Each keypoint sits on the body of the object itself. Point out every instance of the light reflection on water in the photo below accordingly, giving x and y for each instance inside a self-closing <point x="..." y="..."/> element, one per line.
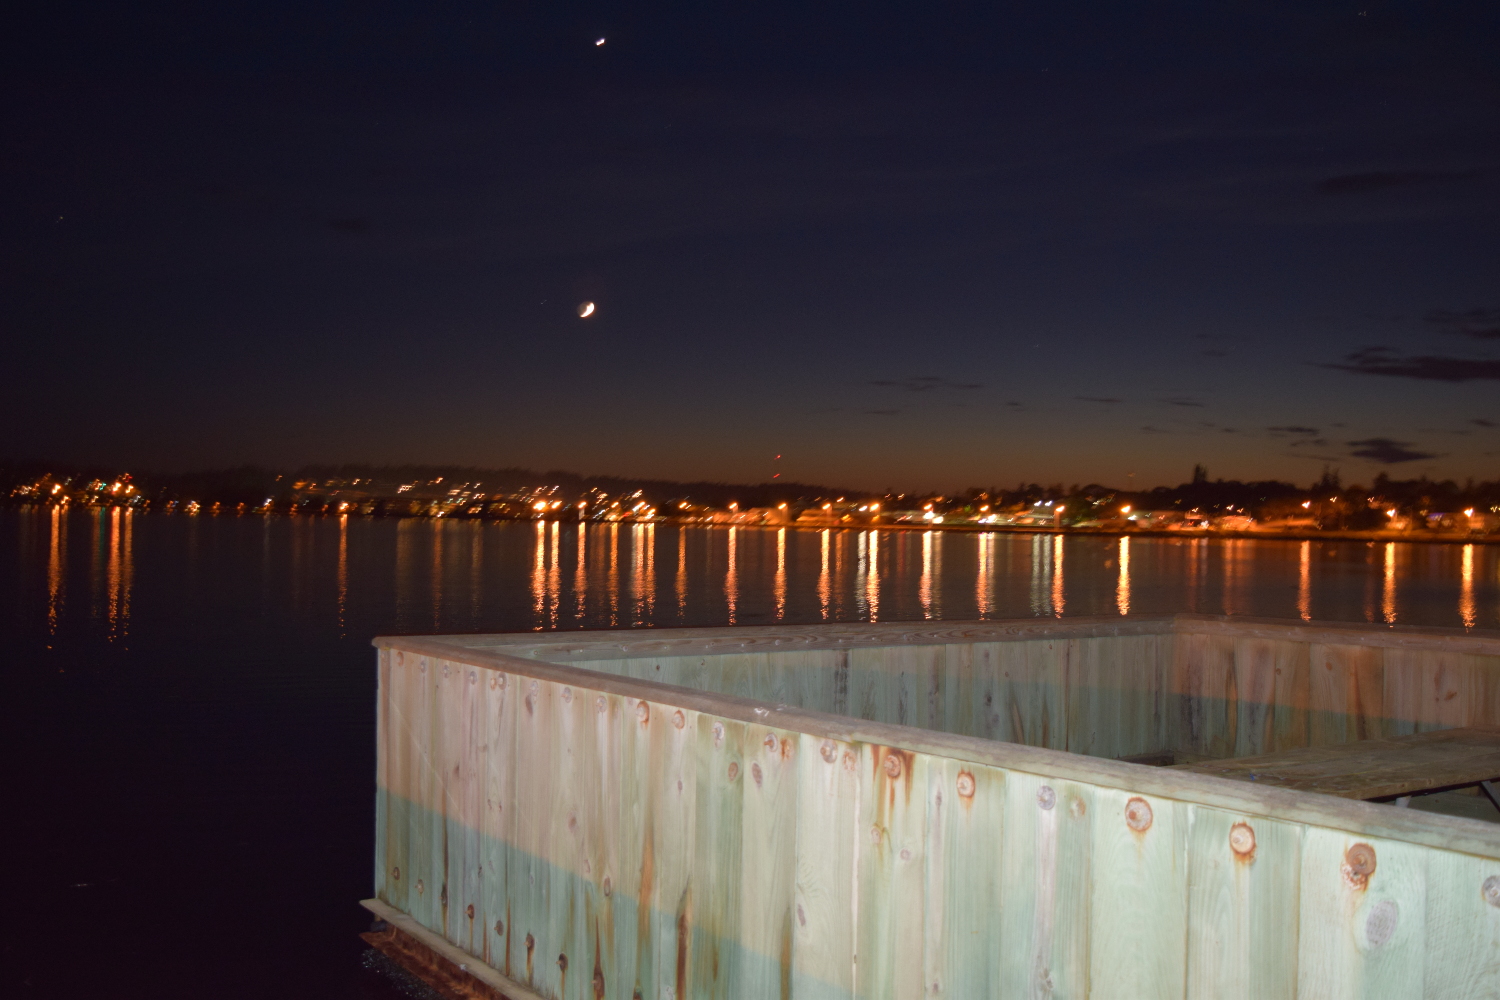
<point x="418" y="576"/>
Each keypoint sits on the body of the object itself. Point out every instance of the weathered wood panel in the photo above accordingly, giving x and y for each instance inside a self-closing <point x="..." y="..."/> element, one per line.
<point x="616" y="837"/>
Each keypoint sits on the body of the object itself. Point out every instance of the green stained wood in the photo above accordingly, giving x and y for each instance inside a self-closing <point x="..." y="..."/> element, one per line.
<point x="1362" y="931"/>
<point x="768" y="860"/>
<point x="964" y="948"/>
<point x="719" y="752"/>
<point x="891" y="873"/>
<point x="1046" y="887"/>
<point x="1140" y="867"/>
<point x="828" y="796"/>
<point x="1242" y="926"/>
<point x="548" y="801"/>
<point x="1462" y="957"/>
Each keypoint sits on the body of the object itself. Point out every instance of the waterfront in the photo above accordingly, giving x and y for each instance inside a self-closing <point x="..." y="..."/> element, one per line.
<point x="191" y="698"/>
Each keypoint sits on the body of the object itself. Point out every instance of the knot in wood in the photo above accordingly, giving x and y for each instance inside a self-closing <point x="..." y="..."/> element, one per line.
<point x="601" y="705"/>
<point x="608" y="886"/>
<point x="756" y="774"/>
<point x="1359" y="865"/>
<point x="1491" y="890"/>
<point x="965" y="785"/>
<point x="678" y="719"/>
<point x="718" y="733"/>
<point x="643" y="713"/>
<point x="1242" y="841"/>
<point x="770" y="742"/>
<point x="1380" y="925"/>
<point x="420" y="887"/>
<point x="892" y="766"/>
<point x="473" y="677"/>
<point x="567" y="696"/>
<point x="1138" y="814"/>
<point x="1046" y="797"/>
<point x="734" y="770"/>
<point x="499" y="928"/>
<point x="396" y="873"/>
<point x="829" y="752"/>
<point x="562" y="962"/>
<point x="469" y="911"/>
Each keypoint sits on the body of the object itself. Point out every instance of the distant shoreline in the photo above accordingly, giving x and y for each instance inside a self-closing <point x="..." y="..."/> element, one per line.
<point x="1418" y="537"/>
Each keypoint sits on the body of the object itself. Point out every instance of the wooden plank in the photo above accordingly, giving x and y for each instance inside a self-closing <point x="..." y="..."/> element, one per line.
<point x="768" y="862"/>
<point x="536" y="746"/>
<point x="823" y="944"/>
<point x="1462" y="926"/>
<point x="1362" y="917"/>
<point x="716" y="869"/>
<point x="1372" y="769"/>
<point x="672" y="796"/>
<point x="1346" y="685"/>
<point x="1139" y="847"/>
<point x="962" y="946"/>
<point x="890" y="883"/>
<point x="1242" y="926"/>
<point x="496" y="829"/>
<point x="455" y="972"/>
<point x="1271" y="679"/>
<point x="1203" y="699"/>
<point x="1046" y="874"/>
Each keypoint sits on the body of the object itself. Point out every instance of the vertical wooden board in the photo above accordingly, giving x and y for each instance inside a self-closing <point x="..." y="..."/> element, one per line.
<point x="1483" y="703"/>
<point x="1140" y="867"/>
<point x="828" y="785"/>
<point x="464" y="871"/>
<point x="768" y="862"/>
<point x="1113" y="698"/>
<point x="605" y="960"/>
<point x="1204" y="688"/>
<point x="1272" y="682"/>
<point x="1406" y="701"/>
<point x="891" y="880"/>
<point x="564" y="963"/>
<point x="1450" y="691"/>
<point x="536" y="747"/>
<point x="497" y="726"/>
<point x="962" y="944"/>
<point x="1345" y="690"/>
<point x="988" y="712"/>
<point x="395" y="699"/>
<point x="423" y="892"/>
<point x="957" y="665"/>
<point x="673" y="795"/>
<point x="448" y="767"/>
<point x="719" y="824"/>
<point x="1045" y="894"/>
<point x="874" y="693"/>
<point x="382" y="771"/>
<point x="1243" y="874"/>
<point x="1463" y="927"/>
<point x="1362" y="931"/>
<point x="635" y="878"/>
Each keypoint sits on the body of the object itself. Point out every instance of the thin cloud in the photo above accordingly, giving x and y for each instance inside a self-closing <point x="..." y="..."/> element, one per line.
<point x="1292" y="429"/>
<point x="1379" y="180"/>
<point x="1481" y="324"/>
<point x="1481" y="422"/>
<point x="1099" y="399"/>
<point x="924" y="383"/>
<point x="1181" y="401"/>
<point x="1386" y="451"/>
<point x="1428" y="367"/>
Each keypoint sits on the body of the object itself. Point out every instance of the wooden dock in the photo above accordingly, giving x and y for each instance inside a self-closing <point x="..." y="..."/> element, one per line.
<point x="927" y="810"/>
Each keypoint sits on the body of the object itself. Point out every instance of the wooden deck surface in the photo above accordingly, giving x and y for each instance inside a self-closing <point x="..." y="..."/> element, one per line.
<point x="1372" y="769"/>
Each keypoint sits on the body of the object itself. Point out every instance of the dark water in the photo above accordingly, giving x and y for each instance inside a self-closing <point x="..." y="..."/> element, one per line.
<point x="189" y="701"/>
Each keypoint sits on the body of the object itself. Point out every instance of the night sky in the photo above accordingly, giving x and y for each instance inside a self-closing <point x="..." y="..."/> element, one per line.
<point x="922" y="245"/>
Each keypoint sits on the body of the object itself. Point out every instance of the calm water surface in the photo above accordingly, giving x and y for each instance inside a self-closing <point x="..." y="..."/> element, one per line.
<point x="189" y="701"/>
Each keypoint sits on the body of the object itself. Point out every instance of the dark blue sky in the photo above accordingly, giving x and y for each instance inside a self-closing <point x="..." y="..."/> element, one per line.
<point x="917" y="245"/>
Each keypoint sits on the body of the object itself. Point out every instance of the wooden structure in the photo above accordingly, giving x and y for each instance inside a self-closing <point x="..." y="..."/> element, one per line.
<point x="925" y="810"/>
<point x="1395" y="768"/>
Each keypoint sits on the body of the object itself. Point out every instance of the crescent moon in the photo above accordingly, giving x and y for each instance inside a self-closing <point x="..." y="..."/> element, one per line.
<point x="585" y="310"/>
